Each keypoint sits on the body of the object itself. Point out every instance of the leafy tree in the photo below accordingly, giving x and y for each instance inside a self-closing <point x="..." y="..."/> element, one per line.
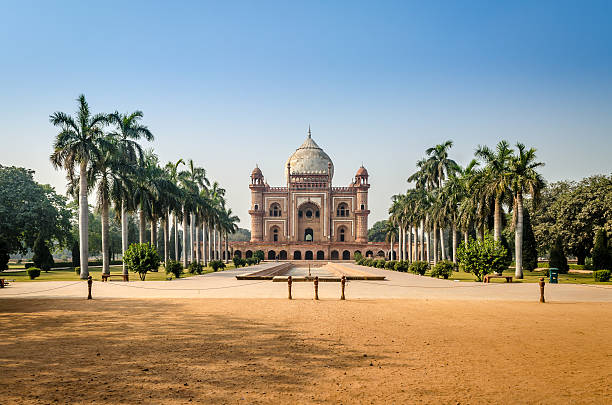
<point x="174" y="267"/>
<point x="557" y="257"/>
<point x="377" y="232"/>
<point x="602" y="259"/>
<point x="443" y="269"/>
<point x="141" y="258"/>
<point x="241" y="235"/>
<point x="574" y="211"/>
<point x="29" y="211"/>
<point x="42" y="258"/>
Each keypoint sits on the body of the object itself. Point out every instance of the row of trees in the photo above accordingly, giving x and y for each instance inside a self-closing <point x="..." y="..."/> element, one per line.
<point x="464" y="199"/>
<point x="124" y="176"/>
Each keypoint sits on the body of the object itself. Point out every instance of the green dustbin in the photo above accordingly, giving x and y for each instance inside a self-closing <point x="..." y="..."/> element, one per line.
<point x="553" y="275"/>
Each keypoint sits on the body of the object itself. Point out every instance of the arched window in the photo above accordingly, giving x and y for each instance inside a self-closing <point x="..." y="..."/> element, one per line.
<point x="275" y="210"/>
<point x="308" y="235"/>
<point x="362" y="207"/>
<point x="256" y="207"/>
<point x="275" y="233"/>
<point x="308" y="214"/>
<point x="342" y="210"/>
<point x="341" y="237"/>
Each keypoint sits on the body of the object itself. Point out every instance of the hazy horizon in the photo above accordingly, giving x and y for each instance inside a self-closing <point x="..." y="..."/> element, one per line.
<point x="235" y="85"/>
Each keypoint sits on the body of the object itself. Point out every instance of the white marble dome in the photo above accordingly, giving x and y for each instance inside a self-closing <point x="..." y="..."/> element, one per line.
<point x="309" y="159"/>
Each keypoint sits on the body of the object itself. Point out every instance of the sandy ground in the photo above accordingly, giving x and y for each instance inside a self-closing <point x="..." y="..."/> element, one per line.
<point x="302" y="351"/>
<point x="396" y="285"/>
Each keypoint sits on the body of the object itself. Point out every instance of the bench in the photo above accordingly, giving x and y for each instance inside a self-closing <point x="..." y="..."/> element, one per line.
<point x="488" y="277"/>
<point x="109" y="277"/>
<point x="3" y="283"/>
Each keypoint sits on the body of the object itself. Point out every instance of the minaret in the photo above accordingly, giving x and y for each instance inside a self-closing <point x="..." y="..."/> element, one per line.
<point x="362" y="211"/>
<point x="257" y="210"/>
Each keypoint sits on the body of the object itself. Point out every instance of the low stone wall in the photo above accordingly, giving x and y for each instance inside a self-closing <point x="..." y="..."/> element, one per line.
<point x="268" y="273"/>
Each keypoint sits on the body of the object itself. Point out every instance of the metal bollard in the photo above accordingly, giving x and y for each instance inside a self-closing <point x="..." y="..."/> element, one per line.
<point x="89" y="283"/>
<point x="316" y="286"/>
<point x="542" y="289"/>
<point x="289" y="281"/>
<point x="342" y="284"/>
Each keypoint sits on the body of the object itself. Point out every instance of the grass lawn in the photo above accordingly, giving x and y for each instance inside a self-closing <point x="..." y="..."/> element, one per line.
<point x="533" y="277"/>
<point x="95" y="272"/>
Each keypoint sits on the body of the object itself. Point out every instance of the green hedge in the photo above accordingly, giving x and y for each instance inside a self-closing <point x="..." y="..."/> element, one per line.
<point x="601" y="275"/>
<point x="27" y="265"/>
<point x="33" y="272"/>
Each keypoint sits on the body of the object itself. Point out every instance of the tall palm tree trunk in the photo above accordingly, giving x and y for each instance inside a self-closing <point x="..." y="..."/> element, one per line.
<point x="166" y="231"/>
<point x="124" y="235"/>
<point x="465" y="238"/>
<point x="409" y="252"/>
<point x="422" y="240"/>
<point x="442" y="245"/>
<point x="197" y="242"/>
<point x="400" y="253"/>
<point x="215" y="245"/>
<point x="105" y="246"/>
<point x="518" y="237"/>
<point x="226" y="249"/>
<point x="176" y="238"/>
<point x="454" y="243"/>
<point x="210" y="247"/>
<point x="184" y="238"/>
<point x="204" y="250"/>
<point x="153" y="233"/>
<point x="427" y="248"/>
<point x="435" y="244"/>
<point x="141" y="225"/>
<point x="191" y="237"/>
<point x="497" y="220"/>
<point x="83" y="221"/>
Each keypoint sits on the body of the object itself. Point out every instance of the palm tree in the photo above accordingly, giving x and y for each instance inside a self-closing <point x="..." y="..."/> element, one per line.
<point x="78" y="143"/>
<point x="128" y="131"/>
<point x="228" y="225"/>
<point x="175" y="209"/>
<point x="497" y="179"/>
<point x="525" y="180"/>
<point x="110" y="176"/>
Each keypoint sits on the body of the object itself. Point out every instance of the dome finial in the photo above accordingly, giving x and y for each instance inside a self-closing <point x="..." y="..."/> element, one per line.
<point x="309" y="134"/>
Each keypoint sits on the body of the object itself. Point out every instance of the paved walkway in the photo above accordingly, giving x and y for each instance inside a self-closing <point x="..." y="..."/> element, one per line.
<point x="397" y="285"/>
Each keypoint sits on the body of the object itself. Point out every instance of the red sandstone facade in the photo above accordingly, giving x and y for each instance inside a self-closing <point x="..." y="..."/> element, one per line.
<point x="309" y="219"/>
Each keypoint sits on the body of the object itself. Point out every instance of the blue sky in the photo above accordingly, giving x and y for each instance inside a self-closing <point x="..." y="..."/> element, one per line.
<point x="232" y="84"/>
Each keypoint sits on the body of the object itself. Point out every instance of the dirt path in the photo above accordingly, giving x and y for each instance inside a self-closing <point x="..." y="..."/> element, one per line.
<point x="280" y="351"/>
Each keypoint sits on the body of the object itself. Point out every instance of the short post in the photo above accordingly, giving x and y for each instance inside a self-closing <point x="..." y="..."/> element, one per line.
<point x="542" y="289"/>
<point x="289" y="281"/>
<point x="316" y="286"/>
<point x="89" y="283"/>
<point x="342" y="284"/>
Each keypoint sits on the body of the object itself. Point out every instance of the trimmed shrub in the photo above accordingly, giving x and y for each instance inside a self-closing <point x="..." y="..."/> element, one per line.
<point x="358" y="257"/>
<point x="368" y="262"/>
<point x="237" y="262"/>
<point x="218" y="264"/>
<point x="557" y="257"/>
<point x="601" y="275"/>
<point x="481" y="257"/>
<point x="33" y="272"/>
<point x="419" y="267"/>
<point x="175" y="268"/>
<point x="402" y="266"/>
<point x="390" y="265"/>
<point x="258" y="255"/>
<point x="602" y="260"/>
<point x="380" y="263"/>
<point x="141" y="258"/>
<point x="77" y="271"/>
<point x="443" y="269"/>
<point x="43" y="259"/>
<point x="195" y="268"/>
